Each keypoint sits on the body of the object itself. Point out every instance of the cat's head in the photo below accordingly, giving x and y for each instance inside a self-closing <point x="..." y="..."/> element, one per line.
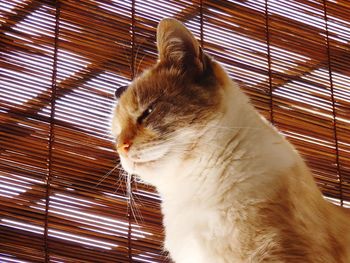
<point x="161" y="115"/>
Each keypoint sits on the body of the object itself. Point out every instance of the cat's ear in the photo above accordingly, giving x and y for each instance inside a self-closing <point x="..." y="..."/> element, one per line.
<point x="119" y="91"/>
<point x="177" y="45"/>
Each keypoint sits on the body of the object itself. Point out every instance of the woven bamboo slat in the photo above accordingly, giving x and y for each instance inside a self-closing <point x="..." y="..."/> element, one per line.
<point x="62" y="195"/>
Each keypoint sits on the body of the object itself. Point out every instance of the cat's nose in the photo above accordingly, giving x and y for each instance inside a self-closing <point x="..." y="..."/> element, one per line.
<point x="124" y="147"/>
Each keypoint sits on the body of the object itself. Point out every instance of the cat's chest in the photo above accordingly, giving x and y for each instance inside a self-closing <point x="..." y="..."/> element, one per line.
<point x="198" y="234"/>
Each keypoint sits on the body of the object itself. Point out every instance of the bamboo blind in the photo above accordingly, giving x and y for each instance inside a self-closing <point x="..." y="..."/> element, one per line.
<point x="61" y="200"/>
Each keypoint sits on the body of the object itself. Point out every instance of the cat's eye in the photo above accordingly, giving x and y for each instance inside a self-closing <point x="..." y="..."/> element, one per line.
<point x="119" y="91"/>
<point x="145" y="114"/>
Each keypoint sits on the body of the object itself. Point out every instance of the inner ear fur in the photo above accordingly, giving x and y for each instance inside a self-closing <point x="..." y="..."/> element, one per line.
<point x="177" y="45"/>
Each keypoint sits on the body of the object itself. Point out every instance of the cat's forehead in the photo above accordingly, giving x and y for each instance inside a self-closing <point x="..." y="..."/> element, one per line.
<point x="158" y="76"/>
<point x="154" y="83"/>
<point x="137" y="93"/>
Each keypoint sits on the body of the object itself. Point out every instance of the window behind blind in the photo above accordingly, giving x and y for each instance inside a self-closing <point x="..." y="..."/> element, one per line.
<point x="62" y="196"/>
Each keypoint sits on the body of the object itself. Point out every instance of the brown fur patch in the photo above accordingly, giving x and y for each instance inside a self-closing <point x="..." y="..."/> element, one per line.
<point x="178" y="98"/>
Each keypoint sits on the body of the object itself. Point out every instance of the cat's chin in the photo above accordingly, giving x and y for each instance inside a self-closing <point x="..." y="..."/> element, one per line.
<point x="139" y="167"/>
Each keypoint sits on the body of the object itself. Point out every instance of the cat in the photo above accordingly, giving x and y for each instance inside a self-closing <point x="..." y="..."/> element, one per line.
<point x="233" y="188"/>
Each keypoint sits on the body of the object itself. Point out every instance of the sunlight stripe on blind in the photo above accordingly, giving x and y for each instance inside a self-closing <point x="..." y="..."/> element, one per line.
<point x="61" y="200"/>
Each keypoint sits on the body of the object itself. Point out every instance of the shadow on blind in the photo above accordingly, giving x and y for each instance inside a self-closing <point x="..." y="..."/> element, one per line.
<point x="62" y="194"/>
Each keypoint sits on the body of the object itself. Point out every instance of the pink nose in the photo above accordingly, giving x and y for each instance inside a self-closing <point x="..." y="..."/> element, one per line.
<point x="124" y="147"/>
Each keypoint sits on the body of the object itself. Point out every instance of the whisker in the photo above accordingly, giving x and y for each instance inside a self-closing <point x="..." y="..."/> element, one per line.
<point x="131" y="201"/>
<point x="137" y="53"/>
<point x="120" y="181"/>
<point x="106" y="175"/>
<point x="138" y="66"/>
<point x="136" y="211"/>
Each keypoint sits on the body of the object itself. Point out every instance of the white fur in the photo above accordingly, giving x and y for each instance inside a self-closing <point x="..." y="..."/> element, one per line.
<point x="205" y="196"/>
<point x="233" y="189"/>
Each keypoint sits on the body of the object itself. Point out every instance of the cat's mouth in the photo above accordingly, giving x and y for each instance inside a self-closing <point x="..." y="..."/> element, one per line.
<point x="138" y="167"/>
<point x="148" y="161"/>
<point x="134" y="163"/>
<point x="144" y="162"/>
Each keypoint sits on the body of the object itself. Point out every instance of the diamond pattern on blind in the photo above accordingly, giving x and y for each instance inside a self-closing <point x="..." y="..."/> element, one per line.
<point x="27" y="52"/>
<point x="235" y="34"/>
<point x="63" y="197"/>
